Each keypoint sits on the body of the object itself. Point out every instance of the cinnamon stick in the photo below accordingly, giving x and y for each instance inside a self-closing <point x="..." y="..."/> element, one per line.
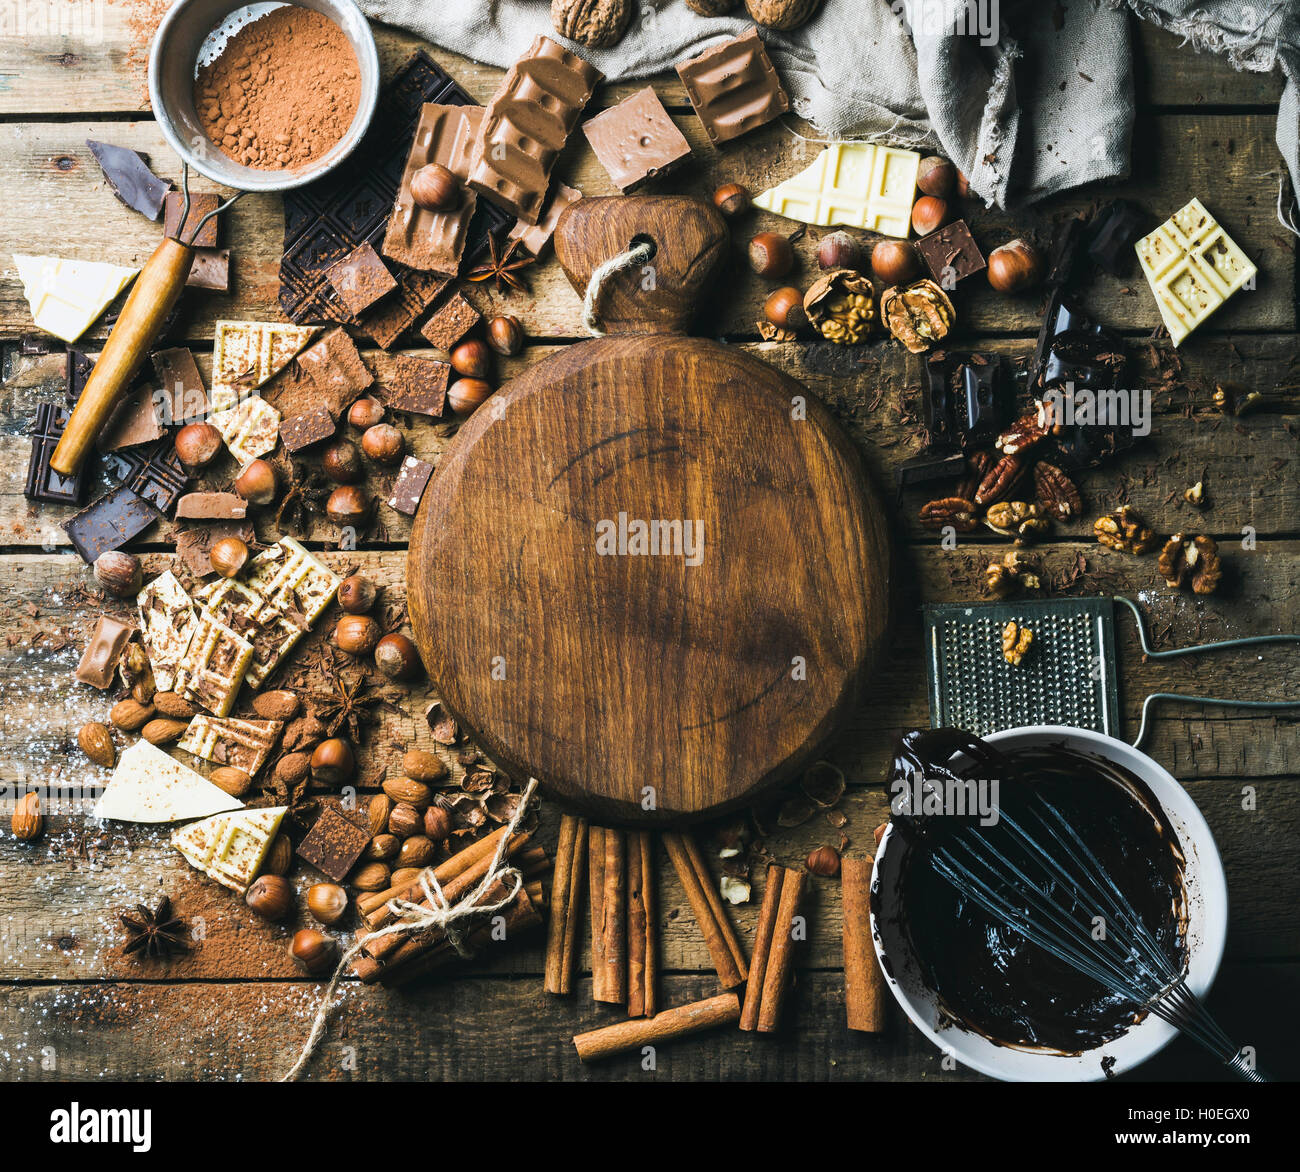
<point x="566" y="905"/>
<point x="762" y="947"/>
<point x="373" y="902"/>
<point x="672" y="1023"/>
<point x="606" y="870"/>
<point x="865" y="992"/>
<point x="719" y="935"/>
<point x="780" y="960"/>
<point x="642" y="960"/>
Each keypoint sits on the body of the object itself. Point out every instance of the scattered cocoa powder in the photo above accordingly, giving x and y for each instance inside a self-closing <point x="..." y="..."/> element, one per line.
<point x="283" y="91"/>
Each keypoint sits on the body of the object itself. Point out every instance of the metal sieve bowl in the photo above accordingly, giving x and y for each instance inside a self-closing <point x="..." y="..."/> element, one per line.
<point x="192" y="33"/>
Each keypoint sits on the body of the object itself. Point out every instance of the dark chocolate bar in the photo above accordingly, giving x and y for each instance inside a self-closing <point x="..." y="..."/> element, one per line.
<point x="43" y="483"/>
<point x="334" y="844"/>
<point x="361" y="278"/>
<point x="153" y="472"/>
<point x="951" y="254"/>
<point x="933" y="462"/>
<point x="967" y="398"/>
<point x="109" y="523"/>
<point x="1115" y="229"/>
<point x="418" y="385"/>
<point x="128" y="174"/>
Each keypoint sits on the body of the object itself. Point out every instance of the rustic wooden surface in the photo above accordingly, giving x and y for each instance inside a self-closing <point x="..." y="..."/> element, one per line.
<point x="72" y="1006"/>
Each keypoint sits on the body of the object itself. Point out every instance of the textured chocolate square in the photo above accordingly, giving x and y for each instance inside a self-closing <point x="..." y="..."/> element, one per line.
<point x="210" y="270"/>
<point x="334" y="844"/>
<point x="304" y="430"/>
<point x="408" y="488"/>
<point x="393" y="316"/>
<point x="951" y="254"/>
<point x="450" y="322"/>
<point x="535" y="237"/>
<point x="733" y="87"/>
<point x="200" y="205"/>
<point x="211" y="506"/>
<point x="419" y="385"/>
<point x="43" y="483"/>
<point x="360" y="279"/>
<point x="154" y="473"/>
<point x="109" y="523"/>
<point x="99" y="660"/>
<point x="184" y="395"/>
<point x="636" y="140"/>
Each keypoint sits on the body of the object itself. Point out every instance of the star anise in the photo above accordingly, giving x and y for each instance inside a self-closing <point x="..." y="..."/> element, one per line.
<point x="350" y="705"/>
<point x="154" y="933"/>
<point x="503" y="268"/>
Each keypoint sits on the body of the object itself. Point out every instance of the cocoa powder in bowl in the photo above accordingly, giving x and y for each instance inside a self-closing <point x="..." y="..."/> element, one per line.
<point x="282" y="92"/>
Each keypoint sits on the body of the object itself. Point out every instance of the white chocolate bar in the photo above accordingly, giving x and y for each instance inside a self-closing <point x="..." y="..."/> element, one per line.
<point x="290" y="579"/>
<point x="230" y="848"/>
<point x="214" y="666"/>
<point x="150" y="786"/>
<point x="250" y="430"/>
<point x="66" y="296"/>
<point x="167" y="624"/>
<point x="241" y="744"/>
<point x="271" y="632"/>
<point x="246" y="354"/>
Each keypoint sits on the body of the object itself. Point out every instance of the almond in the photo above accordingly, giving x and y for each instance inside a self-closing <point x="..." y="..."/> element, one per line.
<point x="377" y="812"/>
<point x="279" y="858"/>
<point x="174" y="706"/>
<point x="404" y="875"/>
<point x="28" y="822"/>
<point x="163" y="731"/>
<point x="382" y="848"/>
<point x="278" y="705"/>
<point x="404" y="789"/>
<point x="423" y="766"/>
<point x="417" y="851"/>
<point x="405" y="820"/>
<point x="131" y="715"/>
<point x="371" y="877"/>
<point x="233" y="781"/>
<point x="292" y="768"/>
<point x="97" y="743"/>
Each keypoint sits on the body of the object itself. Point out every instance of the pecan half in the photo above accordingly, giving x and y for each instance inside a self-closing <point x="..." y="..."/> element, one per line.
<point x="950" y="510"/>
<point x="1056" y="491"/>
<point x="1125" y="531"/>
<point x="1021" y="435"/>
<point x="918" y="315"/>
<point x="977" y="466"/>
<point x="1191" y="562"/>
<point x="999" y="480"/>
<point x="1018" y="519"/>
<point x="840" y="306"/>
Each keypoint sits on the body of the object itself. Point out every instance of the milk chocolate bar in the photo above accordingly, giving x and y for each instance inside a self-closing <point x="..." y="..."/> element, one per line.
<point x="210" y="270"/>
<point x="535" y="237"/>
<point x="526" y="125"/>
<point x="452" y="321"/>
<point x="330" y="369"/>
<point x="435" y="240"/>
<point x="211" y="506"/>
<point x="733" y="87"/>
<point x="361" y="278"/>
<point x="240" y="744"/>
<point x="99" y="660"/>
<point x="178" y="377"/>
<point x="135" y="421"/>
<point x="109" y="523"/>
<point x="636" y="141"/>
<point x="213" y="667"/>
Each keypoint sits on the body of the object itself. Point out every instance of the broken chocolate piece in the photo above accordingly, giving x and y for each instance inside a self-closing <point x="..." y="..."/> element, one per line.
<point x="733" y="87"/>
<point x="933" y="462"/>
<point x="154" y="472"/>
<point x="304" y="430"/>
<point x="393" y="316"/>
<point x="200" y="205"/>
<point x="334" y="844"/>
<point x="184" y="397"/>
<point x="134" y="422"/>
<point x="334" y="370"/>
<point x="99" y="660"/>
<point x="211" y="506"/>
<point x="109" y="523"/>
<point x="951" y="254"/>
<point x="210" y="270"/>
<point x="1115" y="229"/>
<point x="360" y="279"/>
<point x="128" y="174"/>
<point x="240" y="744"/>
<point x="194" y="546"/>
<point x="450" y="322"/>
<point x="419" y="385"/>
<point x="408" y="488"/>
<point x="534" y="237"/>
<point x="636" y="141"/>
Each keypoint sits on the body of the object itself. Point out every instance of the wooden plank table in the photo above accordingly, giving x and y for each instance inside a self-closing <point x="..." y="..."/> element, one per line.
<point x="236" y="1008"/>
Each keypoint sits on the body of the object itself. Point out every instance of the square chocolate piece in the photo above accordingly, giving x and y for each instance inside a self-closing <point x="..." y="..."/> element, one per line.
<point x="43" y="483"/>
<point x="184" y="395"/>
<point x="451" y="322"/>
<point x="360" y="279"/>
<point x="109" y="523"/>
<point x="304" y="430"/>
<point x="330" y="373"/>
<point x="733" y="87"/>
<point x="134" y="422"/>
<point x="392" y="317"/>
<point x="334" y="844"/>
<point x="419" y="385"/>
<point x="210" y="270"/>
<point x="951" y="254"/>
<point x="636" y="141"/>
<point x="200" y="206"/>
<point x="409" y="486"/>
<point x="99" y="660"/>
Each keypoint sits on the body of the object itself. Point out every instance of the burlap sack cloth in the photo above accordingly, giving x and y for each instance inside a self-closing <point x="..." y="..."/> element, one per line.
<point x="901" y="70"/>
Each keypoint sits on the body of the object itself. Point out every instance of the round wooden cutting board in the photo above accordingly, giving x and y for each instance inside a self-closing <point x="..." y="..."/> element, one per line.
<point x="649" y="571"/>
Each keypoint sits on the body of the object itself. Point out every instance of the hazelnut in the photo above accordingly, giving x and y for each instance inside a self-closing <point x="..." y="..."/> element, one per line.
<point x="271" y="897"/>
<point x="405" y="820"/>
<point x="784" y="308"/>
<point x="437" y="823"/>
<point x="342" y="462"/>
<point x="197" y="445"/>
<point x="936" y="176"/>
<point x="348" y="505"/>
<point x="332" y="761"/>
<point x="471" y="358"/>
<point x="421" y="765"/>
<point x="119" y="573"/>
<point x="228" y="556"/>
<point x="465" y="395"/>
<point x="313" y="950"/>
<point x="771" y="254"/>
<point x="328" y="902"/>
<point x="383" y="443"/>
<point x="396" y="657"/>
<point x="928" y="213"/>
<point x="895" y="262"/>
<point x="257" y="483"/>
<point x="732" y="199"/>
<point x="356" y="594"/>
<point x="435" y="188"/>
<point x="28" y="821"/>
<point x="824" y="861"/>
<point x="1014" y="267"/>
<point x="839" y="250"/>
<point x="366" y="412"/>
<point x="357" y="634"/>
<point x="505" y="335"/>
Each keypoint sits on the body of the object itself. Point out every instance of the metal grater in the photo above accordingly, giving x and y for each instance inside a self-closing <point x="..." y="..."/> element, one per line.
<point x="1068" y="676"/>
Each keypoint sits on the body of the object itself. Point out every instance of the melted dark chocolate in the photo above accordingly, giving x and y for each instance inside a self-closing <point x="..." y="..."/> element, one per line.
<point x="989" y="978"/>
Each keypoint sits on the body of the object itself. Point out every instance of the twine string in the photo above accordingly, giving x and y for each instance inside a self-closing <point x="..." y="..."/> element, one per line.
<point x="418" y="920"/>
<point x="638" y="252"/>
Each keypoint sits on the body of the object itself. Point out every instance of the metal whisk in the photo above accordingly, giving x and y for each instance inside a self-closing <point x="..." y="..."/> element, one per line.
<point x="1014" y="885"/>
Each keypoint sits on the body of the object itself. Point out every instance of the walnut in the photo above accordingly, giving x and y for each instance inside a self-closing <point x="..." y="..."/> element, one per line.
<point x="781" y="14"/>
<point x="594" y="23"/>
<point x="770" y="333"/>
<point x="1191" y="562"/>
<point x="840" y="306"/>
<point x="918" y="315"/>
<point x="953" y="510"/>
<point x="1056" y="491"/>
<point x="1014" y="573"/>
<point x="999" y="480"/>
<point x="1195" y="496"/>
<point x="1018" y="519"/>
<point x="1125" y="531"/>
<point x="1016" y="641"/>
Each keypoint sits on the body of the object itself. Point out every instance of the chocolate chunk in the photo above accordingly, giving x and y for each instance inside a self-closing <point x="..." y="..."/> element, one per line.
<point x="951" y="254"/>
<point x="330" y="369"/>
<point x="211" y="506"/>
<point x="99" y="660"/>
<point x="360" y="279"/>
<point x="326" y="219"/>
<point x="733" y="87"/>
<point x="636" y="141"/>
<point x="409" y="486"/>
<point x="419" y="385"/>
<point x="1114" y="231"/>
<point x="184" y="396"/>
<point x="933" y="462"/>
<point x="195" y="545"/>
<point x="334" y="844"/>
<point x="135" y="421"/>
<point x="77" y="372"/>
<point x="451" y="322"/>
<point x="967" y="399"/>
<point x="128" y="174"/>
<point x="526" y="125"/>
<point x="109" y="523"/>
<point x="534" y="237"/>
<point x="200" y="205"/>
<point x="304" y="430"/>
<point x="154" y="473"/>
<point x="210" y="270"/>
<point x="1067" y="243"/>
<point x="43" y="483"/>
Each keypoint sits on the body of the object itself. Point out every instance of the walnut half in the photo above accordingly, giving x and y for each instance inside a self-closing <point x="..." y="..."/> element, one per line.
<point x="918" y="315"/>
<point x="1125" y="531"/>
<point x="840" y="307"/>
<point x="1191" y="562"/>
<point x="1016" y="641"/>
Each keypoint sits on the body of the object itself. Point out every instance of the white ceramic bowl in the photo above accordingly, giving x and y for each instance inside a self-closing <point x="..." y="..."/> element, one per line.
<point x="1207" y="910"/>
